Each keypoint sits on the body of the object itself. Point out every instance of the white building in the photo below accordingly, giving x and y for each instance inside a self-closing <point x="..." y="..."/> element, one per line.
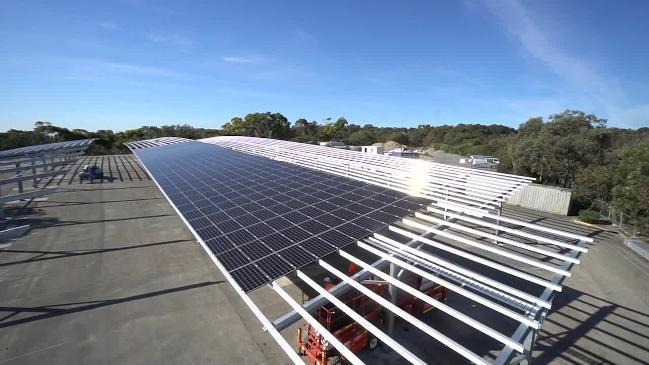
<point x="331" y="144"/>
<point x="375" y="150"/>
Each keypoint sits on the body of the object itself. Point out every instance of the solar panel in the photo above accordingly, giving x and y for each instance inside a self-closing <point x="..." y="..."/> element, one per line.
<point x="264" y="218"/>
<point x="78" y="145"/>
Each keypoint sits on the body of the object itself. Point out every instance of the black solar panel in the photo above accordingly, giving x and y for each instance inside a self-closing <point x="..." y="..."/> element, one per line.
<point x="264" y="218"/>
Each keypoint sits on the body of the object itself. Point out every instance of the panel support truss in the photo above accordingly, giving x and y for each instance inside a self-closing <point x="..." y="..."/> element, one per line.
<point x="460" y="241"/>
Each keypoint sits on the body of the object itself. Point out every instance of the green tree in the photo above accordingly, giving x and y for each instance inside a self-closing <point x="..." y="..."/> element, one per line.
<point x="555" y="150"/>
<point x="595" y="183"/>
<point x="236" y="127"/>
<point x="339" y="126"/>
<point x="270" y="125"/>
<point x="631" y="194"/>
<point x="304" y="130"/>
<point x="362" y="137"/>
<point x="340" y="123"/>
<point x="398" y="137"/>
<point x="328" y="132"/>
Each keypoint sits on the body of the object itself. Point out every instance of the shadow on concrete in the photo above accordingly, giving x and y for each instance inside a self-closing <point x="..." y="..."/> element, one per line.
<point x="55" y="310"/>
<point x="18" y="215"/>
<point x="608" y="325"/>
<point x="121" y="188"/>
<point x="67" y="204"/>
<point x="52" y="255"/>
<point x="53" y="222"/>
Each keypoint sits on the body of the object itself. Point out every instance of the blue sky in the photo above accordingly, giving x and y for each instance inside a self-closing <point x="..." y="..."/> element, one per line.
<point x="124" y="63"/>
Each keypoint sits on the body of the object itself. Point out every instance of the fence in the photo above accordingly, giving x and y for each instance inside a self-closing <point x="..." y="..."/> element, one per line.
<point x="628" y="224"/>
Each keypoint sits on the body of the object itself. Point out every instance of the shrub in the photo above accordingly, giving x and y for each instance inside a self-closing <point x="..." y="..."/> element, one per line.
<point x="588" y="216"/>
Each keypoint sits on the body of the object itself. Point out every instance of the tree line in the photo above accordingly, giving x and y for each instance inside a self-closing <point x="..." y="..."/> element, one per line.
<point x="108" y="142"/>
<point x="570" y="149"/>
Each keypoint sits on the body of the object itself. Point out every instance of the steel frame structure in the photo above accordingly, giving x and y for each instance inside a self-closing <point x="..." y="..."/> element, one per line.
<point x="462" y="201"/>
<point x="46" y="157"/>
<point x="162" y="141"/>
<point x="67" y="146"/>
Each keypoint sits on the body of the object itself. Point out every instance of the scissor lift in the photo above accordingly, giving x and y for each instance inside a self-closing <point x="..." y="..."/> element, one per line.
<point x="355" y="337"/>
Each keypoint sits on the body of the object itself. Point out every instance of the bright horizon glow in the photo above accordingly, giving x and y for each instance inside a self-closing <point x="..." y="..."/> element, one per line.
<point x="120" y="65"/>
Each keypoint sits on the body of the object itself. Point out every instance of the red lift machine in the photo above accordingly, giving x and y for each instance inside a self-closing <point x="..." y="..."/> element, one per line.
<point x="318" y="351"/>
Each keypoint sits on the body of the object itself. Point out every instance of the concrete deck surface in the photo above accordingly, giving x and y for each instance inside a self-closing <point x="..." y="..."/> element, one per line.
<point x="110" y="275"/>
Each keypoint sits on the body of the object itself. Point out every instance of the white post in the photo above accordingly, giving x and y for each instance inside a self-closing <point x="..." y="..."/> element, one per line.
<point x="393" y="299"/>
<point x="35" y="183"/>
<point x="500" y="212"/>
<point x="20" y="183"/>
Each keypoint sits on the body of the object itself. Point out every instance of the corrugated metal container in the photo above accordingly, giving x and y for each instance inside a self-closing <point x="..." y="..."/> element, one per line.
<point x="543" y="198"/>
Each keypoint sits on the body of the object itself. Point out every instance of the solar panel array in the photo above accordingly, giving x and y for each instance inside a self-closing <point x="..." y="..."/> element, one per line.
<point x="80" y="145"/>
<point x="264" y="218"/>
<point x="162" y="141"/>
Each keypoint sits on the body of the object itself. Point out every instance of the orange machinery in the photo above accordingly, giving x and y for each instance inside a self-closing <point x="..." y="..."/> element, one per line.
<point x="315" y="347"/>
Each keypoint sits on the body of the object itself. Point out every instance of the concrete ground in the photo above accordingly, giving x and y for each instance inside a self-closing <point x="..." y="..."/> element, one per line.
<point x="109" y="274"/>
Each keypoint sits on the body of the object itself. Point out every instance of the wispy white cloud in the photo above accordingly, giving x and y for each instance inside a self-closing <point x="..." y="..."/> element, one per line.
<point x="107" y="25"/>
<point x="84" y="69"/>
<point x="139" y="70"/>
<point x="601" y="89"/>
<point x="232" y="59"/>
<point x="170" y="39"/>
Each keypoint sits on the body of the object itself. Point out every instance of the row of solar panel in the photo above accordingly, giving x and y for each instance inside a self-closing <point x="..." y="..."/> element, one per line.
<point x="48" y="147"/>
<point x="265" y="218"/>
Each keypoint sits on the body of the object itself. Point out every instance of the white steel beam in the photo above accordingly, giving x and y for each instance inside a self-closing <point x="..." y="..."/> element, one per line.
<point x="34" y="176"/>
<point x="463" y="351"/>
<point x="454" y="288"/>
<point x="481" y="214"/>
<point x="310" y="306"/>
<point x="508" y="241"/>
<point x="480" y="260"/>
<point x="513" y="231"/>
<point x="437" y="304"/>
<point x="469" y="273"/>
<point x="344" y="351"/>
<point x="36" y="166"/>
<point x="482" y="246"/>
<point x="27" y="195"/>
<point x="381" y="167"/>
<point x="405" y="353"/>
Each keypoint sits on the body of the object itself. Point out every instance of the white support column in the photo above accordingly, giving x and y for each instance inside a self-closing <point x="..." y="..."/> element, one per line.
<point x="387" y="340"/>
<point x="437" y="304"/>
<point x="20" y="182"/>
<point x="393" y="298"/>
<point x="500" y="212"/>
<point x="464" y="352"/>
<point x="35" y="183"/>
<point x="349" y="356"/>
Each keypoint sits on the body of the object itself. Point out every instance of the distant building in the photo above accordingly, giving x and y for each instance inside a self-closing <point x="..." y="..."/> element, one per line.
<point x="402" y="152"/>
<point x="332" y="144"/>
<point x="374" y="150"/>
